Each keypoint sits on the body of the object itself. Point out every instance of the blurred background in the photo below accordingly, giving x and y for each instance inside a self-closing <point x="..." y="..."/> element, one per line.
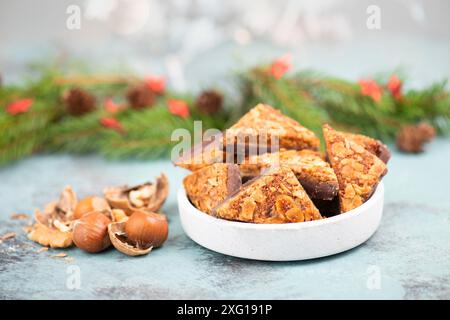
<point x="197" y="43"/>
<point x="212" y="60"/>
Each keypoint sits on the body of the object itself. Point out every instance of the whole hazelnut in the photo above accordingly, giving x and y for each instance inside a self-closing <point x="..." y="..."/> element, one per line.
<point x="147" y="229"/>
<point x="90" y="204"/>
<point x="90" y="232"/>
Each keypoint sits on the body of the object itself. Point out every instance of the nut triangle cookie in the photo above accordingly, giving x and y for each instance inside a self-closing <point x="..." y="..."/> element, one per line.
<point x="264" y="122"/>
<point x="358" y="171"/>
<point x="276" y="196"/>
<point x="209" y="186"/>
<point x="314" y="173"/>
<point x="374" y="146"/>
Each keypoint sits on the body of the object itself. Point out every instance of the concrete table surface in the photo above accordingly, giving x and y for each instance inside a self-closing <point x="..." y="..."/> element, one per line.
<point x="407" y="258"/>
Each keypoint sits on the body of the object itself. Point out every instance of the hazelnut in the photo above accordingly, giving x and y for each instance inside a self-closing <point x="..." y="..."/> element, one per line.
<point x="139" y="234"/>
<point x="90" y="204"/>
<point x="90" y="232"/>
<point x="147" y="229"/>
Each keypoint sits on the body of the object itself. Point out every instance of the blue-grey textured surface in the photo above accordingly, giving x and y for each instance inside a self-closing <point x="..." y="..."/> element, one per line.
<point x="408" y="257"/>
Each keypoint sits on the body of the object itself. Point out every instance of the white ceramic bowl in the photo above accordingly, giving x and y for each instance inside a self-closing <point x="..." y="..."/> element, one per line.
<point x="283" y="242"/>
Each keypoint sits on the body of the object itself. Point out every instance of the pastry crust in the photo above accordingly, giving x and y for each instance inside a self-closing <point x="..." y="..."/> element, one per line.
<point x="209" y="186"/>
<point x="264" y="122"/>
<point x="314" y="173"/>
<point x="358" y="171"/>
<point x="274" y="197"/>
<point x="374" y="146"/>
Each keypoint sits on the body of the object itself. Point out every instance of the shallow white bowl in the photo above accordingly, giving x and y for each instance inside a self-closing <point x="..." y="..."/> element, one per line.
<point x="283" y="242"/>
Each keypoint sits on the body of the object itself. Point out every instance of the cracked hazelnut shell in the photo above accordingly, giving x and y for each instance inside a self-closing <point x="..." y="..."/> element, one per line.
<point x="67" y="202"/>
<point x="90" y="232"/>
<point x="119" y="240"/>
<point x="119" y="197"/>
<point x="53" y="227"/>
<point x="49" y="237"/>
<point x="140" y="233"/>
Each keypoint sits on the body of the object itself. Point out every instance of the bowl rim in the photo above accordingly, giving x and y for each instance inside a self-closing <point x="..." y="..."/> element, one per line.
<point x="376" y="197"/>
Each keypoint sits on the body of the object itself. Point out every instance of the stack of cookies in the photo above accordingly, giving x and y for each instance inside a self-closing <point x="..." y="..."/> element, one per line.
<point x="267" y="169"/>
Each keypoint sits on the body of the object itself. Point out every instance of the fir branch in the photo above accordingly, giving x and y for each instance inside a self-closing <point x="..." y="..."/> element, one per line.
<point x="148" y="133"/>
<point x="309" y="97"/>
<point x="77" y="135"/>
<point x="24" y="134"/>
<point x="282" y="94"/>
<point x="312" y="98"/>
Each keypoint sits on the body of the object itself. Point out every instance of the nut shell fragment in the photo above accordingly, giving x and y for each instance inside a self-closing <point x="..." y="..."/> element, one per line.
<point x="119" y="240"/>
<point x="50" y="237"/>
<point x="67" y="202"/>
<point x="148" y="197"/>
<point x="53" y="227"/>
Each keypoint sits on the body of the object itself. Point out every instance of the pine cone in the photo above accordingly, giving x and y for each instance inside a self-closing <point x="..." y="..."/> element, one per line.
<point x="78" y="101"/>
<point x="412" y="138"/>
<point x="140" y="96"/>
<point x="209" y="102"/>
